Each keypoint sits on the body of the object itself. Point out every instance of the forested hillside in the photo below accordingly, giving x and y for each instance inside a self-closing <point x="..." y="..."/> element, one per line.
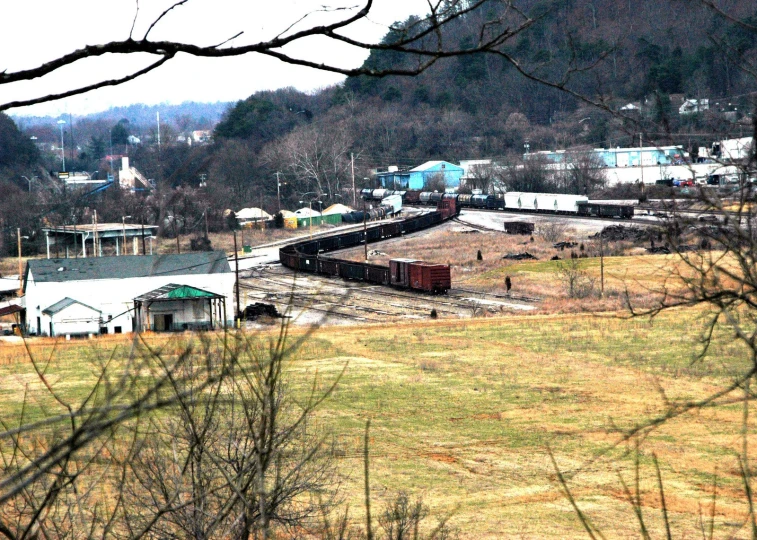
<point x="558" y="80"/>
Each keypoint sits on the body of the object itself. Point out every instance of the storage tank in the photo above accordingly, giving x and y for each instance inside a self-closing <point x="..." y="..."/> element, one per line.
<point x="425" y="196"/>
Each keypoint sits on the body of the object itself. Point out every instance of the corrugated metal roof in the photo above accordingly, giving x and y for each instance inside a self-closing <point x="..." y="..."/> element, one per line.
<point x="10" y="310"/>
<point x="63" y="304"/>
<point x="431" y="164"/>
<point x="172" y="291"/>
<point x="130" y="266"/>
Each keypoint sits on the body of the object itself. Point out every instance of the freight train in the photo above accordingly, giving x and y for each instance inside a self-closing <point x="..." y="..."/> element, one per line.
<point x="512" y="201"/>
<point x="403" y="273"/>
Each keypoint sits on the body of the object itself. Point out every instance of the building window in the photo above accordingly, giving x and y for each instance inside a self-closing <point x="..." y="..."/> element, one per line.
<point x="116" y="329"/>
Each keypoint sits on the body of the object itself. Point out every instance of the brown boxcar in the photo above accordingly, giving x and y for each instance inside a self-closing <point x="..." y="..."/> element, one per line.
<point x="430" y="277"/>
<point x="399" y="272"/>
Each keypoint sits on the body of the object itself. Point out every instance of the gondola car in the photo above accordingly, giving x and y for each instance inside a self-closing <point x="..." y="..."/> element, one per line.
<point x="435" y="278"/>
<point x="594" y="209"/>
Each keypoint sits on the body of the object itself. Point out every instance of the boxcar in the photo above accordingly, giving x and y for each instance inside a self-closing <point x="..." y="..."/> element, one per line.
<point x="399" y="272"/>
<point x="429" y="277"/>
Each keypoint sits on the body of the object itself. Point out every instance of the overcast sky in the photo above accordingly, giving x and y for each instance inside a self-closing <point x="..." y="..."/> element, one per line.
<point x="36" y="31"/>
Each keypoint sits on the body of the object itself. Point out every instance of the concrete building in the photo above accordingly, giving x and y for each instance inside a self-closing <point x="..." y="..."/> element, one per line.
<point x="418" y="177"/>
<point x="130" y="293"/>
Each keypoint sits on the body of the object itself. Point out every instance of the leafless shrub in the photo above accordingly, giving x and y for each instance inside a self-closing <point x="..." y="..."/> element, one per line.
<point x="576" y="279"/>
<point x="552" y="231"/>
<point x="201" y="440"/>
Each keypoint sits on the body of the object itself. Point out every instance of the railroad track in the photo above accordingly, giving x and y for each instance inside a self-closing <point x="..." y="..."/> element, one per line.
<point x="547" y="214"/>
<point x="457" y="299"/>
<point x="372" y="291"/>
<point x="306" y="301"/>
<point x="476" y="226"/>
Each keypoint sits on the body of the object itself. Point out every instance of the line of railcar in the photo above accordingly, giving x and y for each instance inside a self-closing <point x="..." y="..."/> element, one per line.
<point x="550" y="203"/>
<point x="404" y="273"/>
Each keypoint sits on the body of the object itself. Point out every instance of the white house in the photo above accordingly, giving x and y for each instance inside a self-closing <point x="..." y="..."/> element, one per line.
<point x="128" y="293"/>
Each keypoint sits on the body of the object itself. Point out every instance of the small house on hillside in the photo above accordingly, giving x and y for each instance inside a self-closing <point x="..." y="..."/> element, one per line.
<point x="431" y="175"/>
<point x="105" y="295"/>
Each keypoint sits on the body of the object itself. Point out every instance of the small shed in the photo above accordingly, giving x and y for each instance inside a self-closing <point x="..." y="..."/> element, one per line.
<point x="69" y="317"/>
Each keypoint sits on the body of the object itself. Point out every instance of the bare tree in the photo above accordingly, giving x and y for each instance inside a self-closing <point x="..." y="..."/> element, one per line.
<point x="422" y="41"/>
<point x="200" y="441"/>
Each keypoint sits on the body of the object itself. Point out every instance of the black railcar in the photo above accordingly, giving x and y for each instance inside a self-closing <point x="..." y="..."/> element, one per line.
<point x="304" y="256"/>
<point x="593" y="209"/>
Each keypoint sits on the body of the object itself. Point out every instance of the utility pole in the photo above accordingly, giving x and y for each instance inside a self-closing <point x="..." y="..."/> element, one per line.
<point x="176" y="232"/>
<point x="601" y="265"/>
<point x="641" y="161"/>
<point x="236" y="272"/>
<point x="94" y="220"/>
<point x="365" y="230"/>
<point x="278" y="190"/>
<point x="354" y="194"/>
<point x="20" y="269"/>
<point x="142" y="220"/>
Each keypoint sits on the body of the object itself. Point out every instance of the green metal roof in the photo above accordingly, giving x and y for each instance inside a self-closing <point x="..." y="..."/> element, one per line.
<point x="172" y="291"/>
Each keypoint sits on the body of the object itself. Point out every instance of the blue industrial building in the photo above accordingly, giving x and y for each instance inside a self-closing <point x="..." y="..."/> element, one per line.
<point x="418" y="177"/>
<point x="620" y="157"/>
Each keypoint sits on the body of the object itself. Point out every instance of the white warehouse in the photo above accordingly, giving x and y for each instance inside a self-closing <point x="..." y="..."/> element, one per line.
<point x="125" y="294"/>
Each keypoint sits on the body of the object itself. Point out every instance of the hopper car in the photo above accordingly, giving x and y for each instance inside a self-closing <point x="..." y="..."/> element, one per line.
<point x="548" y="203"/>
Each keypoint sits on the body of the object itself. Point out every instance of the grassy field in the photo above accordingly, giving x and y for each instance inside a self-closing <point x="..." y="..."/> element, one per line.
<point x="463" y="412"/>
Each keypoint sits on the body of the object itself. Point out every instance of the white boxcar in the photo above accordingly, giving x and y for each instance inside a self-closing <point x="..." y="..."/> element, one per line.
<point x="546" y="202"/>
<point x="569" y="203"/>
<point x="394" y="202"/>
<point x="512" y="200"/>
<point x="527" y="201"/>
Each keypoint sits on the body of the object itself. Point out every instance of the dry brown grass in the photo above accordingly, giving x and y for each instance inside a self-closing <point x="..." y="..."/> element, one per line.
<point x="462" y="412"/>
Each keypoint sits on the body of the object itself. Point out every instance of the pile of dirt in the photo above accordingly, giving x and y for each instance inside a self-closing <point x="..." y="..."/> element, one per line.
<point x="258" y="309"/>
<point x="620" y="233"/>
<point x="563" y="245"/>
<point x="520" y="256"/>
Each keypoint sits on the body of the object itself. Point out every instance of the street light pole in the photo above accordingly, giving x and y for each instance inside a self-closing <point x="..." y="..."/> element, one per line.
<point x="62" y="145"/>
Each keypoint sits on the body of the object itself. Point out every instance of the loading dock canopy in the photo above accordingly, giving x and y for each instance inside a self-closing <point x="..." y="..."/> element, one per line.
<point x="175" y="292"/>
<point x="163" y="309"/>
